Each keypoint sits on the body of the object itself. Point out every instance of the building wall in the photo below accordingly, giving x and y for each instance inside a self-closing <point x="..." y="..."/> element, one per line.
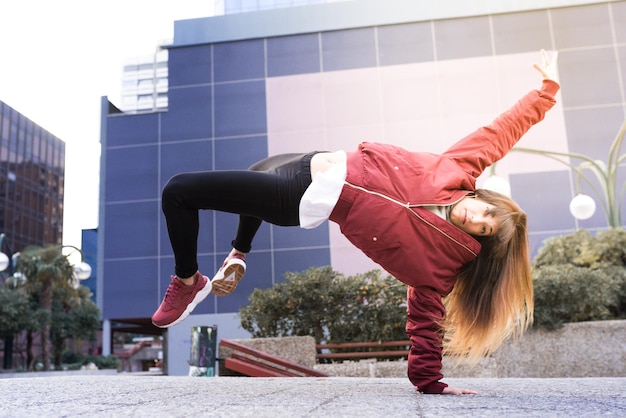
<point x="243" y="6"/>
<point x="144" y="83"/>
<point x="400" y="74"/>
<point x="89" y="248"/>
<point x="32" y="174"/>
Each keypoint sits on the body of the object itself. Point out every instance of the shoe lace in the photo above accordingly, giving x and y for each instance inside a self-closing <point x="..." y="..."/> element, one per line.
<point x="172" y="292"/>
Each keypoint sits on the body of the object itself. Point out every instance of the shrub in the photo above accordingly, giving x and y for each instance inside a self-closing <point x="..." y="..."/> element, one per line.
<point x="582" y="249"/>
<point x="373" y="309"/>
<point x="70" y="357"/>
<point x="332" y="308"/>
<point x="104" y="362"/>
<point x="580" y="277"/>
<point x="300" y="306"/>
<point x="74" y="361"/>
<point x="566" y="293"/>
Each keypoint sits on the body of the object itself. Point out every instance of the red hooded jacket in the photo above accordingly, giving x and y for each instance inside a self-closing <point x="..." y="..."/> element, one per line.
<point x="380" y="210"/>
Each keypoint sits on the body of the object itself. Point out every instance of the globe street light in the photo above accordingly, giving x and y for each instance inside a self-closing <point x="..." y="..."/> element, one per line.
<point x="496" y="183"/>
<point x="583" y="206"/>
<point x="4" y="261"/>
<point x="82" y="270"/>
<point x="7" y="262"/>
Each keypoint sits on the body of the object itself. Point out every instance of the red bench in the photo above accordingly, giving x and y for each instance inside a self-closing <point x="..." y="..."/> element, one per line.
<point x="363" y="350"/>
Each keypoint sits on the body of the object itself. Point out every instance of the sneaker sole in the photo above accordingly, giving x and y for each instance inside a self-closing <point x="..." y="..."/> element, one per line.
<point x="225" y="282"/>
<point x="200" y="296"/>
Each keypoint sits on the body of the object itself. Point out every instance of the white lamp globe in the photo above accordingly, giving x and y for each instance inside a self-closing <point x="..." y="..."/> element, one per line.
<point x="582" y="207"/>
<point x="497" y="184"/>
<point x="4" y="261"/>
<point x="82" y="271"/>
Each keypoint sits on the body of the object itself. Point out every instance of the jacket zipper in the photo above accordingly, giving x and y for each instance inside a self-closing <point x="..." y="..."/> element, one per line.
<point x="397" y="202"/>
<point x="408" y="207"/>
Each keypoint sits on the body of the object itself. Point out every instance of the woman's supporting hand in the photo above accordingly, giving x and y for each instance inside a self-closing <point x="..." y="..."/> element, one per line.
<point x="548" y="67"/>
<point x="456" y="391"/>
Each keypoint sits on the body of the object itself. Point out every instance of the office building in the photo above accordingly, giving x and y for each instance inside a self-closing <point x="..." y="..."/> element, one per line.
<point x="145" y="77"/>
<point x="420" y="75"/>
<point x="32" y="172"/>
<point x="144" y="83"/>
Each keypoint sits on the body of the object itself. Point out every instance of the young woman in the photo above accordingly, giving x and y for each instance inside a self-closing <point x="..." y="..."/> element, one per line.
<point x="462" y="251"/>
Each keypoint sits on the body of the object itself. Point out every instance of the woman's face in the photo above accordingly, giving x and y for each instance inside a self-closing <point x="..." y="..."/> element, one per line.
<point x="474" y="216"/>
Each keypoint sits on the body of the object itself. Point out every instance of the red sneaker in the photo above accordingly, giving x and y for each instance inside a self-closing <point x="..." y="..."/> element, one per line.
<point x="180" y="300"/>
<point x="225" y="280"/>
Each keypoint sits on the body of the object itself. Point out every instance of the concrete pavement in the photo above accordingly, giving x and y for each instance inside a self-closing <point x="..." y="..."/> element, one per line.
<point x="133" y="395"/>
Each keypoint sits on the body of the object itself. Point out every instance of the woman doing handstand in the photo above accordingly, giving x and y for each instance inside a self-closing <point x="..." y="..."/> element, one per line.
<point x="462" y="251"/>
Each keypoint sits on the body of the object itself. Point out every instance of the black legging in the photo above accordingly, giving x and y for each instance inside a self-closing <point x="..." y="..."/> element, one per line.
<point x="269" y="190"/>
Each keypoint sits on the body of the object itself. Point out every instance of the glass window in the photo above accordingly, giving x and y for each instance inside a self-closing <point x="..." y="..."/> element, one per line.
<point x="5" y="126"/>
<point x="146" y="67"/>
<point x="36" y="144"/>
<point x="147" y="82"/>
<point x="21" y="139"/>
<point x="28" y="145"/>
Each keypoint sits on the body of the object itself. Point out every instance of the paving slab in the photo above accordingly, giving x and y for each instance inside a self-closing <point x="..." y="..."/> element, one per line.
<point x="132" y="395"/>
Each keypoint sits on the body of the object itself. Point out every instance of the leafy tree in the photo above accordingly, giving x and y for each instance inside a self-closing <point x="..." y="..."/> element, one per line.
<point x="49" y="301"/>
<point x="74" y="316"/>
<point x="332" y="308"/>
<point x="15" y="316"/>
<point x="15" y="310"/>
<point x="19" y="312"/>
<point x="45" y="268"/>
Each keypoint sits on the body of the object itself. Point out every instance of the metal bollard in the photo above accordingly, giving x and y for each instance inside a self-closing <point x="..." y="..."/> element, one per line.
<point x="203" y="351"/>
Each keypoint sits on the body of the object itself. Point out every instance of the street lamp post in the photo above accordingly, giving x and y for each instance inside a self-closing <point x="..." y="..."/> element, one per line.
<point x="7" y="263"/>
<point x="583" y="206"/>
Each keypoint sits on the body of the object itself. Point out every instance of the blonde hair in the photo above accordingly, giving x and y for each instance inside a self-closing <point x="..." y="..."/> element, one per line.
<point x="493" y="295"/>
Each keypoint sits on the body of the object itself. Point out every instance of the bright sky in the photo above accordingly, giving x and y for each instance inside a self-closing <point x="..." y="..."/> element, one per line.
<point x="58" y="58"/>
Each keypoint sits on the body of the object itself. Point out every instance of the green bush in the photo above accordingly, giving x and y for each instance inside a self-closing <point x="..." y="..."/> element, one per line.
<point x="104" y="362"/>
<point x="70" y="357"/>
<point x="322" y="303"/>
<point x="74" y="361"/>
<point x="580" y="277"/>
<point x="373" y="309"/>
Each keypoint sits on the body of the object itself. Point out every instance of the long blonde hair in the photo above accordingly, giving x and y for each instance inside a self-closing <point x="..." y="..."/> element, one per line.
<point x="493" y="295"/>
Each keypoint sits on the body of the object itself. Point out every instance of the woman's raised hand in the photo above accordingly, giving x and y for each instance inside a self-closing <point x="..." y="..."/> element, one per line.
<point x="548" y="67"/>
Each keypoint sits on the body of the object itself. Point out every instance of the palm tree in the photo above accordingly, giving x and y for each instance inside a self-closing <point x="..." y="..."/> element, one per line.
<point x="46" y="268"/>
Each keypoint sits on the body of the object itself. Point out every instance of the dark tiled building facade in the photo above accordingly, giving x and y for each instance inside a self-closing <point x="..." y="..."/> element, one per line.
<point x="32" y="170"/>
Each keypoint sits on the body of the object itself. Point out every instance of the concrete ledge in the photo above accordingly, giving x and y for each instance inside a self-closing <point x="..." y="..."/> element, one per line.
<point x="486" y="368"/>
<point x="57" y="373"/>
<point x="583" y="349"/>
<point x="300" y="350"/>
